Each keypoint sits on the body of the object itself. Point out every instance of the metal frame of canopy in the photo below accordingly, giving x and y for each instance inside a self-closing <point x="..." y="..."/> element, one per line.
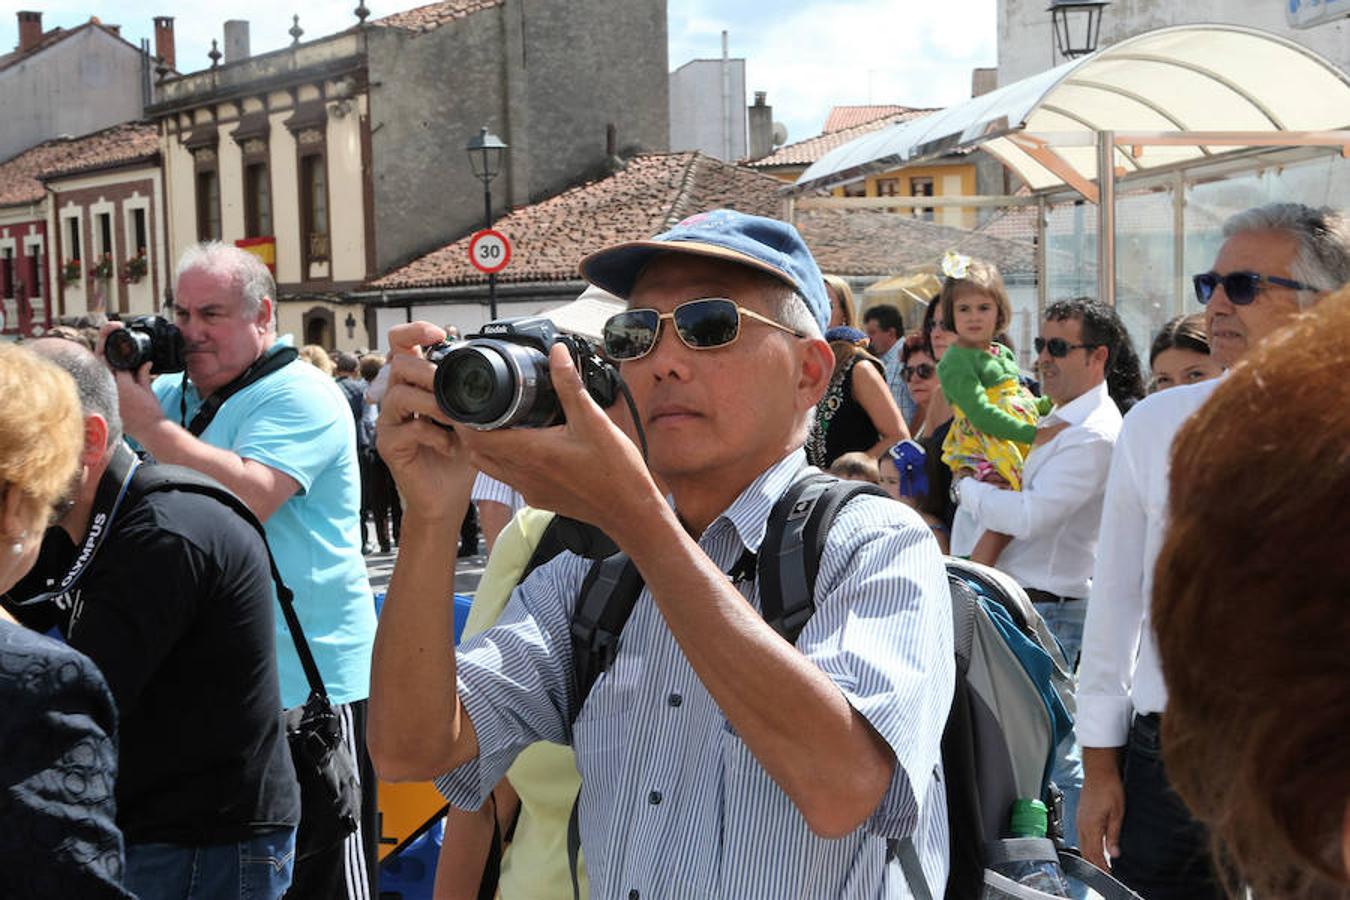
<point x="1136" y="135"/>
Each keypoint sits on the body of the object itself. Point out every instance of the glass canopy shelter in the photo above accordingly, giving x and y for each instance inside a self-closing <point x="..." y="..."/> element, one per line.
<point x="1133" y="157"/>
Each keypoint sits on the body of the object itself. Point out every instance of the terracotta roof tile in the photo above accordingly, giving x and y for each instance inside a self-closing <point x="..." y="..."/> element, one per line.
<point x="657" y="190"/>
<point x="803" y="153"/>
<point x="842" y="117"/>
<point x="547" y="238"/>
<point x="869" y="242"/>
<point x="434" y="15"/>
<point x="21" y="177"/>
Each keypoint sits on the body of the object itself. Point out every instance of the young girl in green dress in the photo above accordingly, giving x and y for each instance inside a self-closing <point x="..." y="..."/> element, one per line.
<point x="994" y="421"/>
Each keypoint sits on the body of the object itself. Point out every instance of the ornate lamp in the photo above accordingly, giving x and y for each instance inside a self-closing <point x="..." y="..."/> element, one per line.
<point x="1078" y="24"/>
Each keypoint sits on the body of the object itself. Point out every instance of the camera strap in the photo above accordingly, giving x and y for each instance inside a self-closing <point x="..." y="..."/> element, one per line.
<point x="274" y="359"/>
<point x="112" y="490"/>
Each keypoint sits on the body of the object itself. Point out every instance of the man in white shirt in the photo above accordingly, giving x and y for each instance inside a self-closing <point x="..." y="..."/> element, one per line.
<point x="1053" y="520"/>
<point x="1275" y="260"/>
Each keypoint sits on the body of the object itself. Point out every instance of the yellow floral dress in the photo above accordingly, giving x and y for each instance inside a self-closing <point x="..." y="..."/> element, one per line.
<point x="994" y="416"/>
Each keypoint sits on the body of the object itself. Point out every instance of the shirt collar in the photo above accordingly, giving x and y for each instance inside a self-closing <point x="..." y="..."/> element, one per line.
<point x="749" y="512"/>
<point x="1076" y="411"/>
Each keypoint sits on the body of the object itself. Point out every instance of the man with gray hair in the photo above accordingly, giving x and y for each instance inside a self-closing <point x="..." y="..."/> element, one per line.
<point x="169" y="592"/>
<point x="282" y="438"/>
<point x="1275" y="260"/>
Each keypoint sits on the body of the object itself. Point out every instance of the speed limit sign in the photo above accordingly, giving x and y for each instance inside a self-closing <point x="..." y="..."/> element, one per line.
<point x="489" y="251"/>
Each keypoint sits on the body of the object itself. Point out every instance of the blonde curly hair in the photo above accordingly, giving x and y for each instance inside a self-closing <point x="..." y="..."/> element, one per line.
<point x="41" y="427"/>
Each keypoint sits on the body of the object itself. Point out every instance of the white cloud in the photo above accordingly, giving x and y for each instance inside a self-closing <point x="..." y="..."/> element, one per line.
<point x="812" y="56"/>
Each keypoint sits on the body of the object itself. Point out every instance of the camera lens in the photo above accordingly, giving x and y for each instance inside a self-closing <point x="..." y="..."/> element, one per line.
<point x="126" y="349"/>
<point x="470" y="388"/>
<point x="489" y="384"/>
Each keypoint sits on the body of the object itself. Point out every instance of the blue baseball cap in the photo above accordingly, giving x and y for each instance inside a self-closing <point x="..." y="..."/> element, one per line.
<point x="765" y="244"/>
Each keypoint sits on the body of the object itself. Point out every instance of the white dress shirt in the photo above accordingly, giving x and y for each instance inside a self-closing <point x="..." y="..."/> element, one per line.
<point x="485" y="487"/>
<point x="1119" y="671"/>
<point x="1054" y="518"/>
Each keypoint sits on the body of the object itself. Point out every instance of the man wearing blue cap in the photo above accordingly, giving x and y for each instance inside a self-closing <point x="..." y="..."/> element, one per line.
<point x="717" y="759"/>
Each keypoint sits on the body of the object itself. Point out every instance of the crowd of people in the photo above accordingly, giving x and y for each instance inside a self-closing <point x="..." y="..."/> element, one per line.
<point x="1182" y="551"/>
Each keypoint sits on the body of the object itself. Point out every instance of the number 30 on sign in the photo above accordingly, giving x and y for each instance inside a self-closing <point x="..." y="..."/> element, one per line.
<point x="489" y="251"/>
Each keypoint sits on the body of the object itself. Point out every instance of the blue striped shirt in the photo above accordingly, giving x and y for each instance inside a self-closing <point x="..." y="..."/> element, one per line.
<point x="673" y="803"/>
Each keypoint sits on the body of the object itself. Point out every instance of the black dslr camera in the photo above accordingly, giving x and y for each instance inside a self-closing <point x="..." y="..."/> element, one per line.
<point x="146" y="339"/>
<point x="499" y="378"/>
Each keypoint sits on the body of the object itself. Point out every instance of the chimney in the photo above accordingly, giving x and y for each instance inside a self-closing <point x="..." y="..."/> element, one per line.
<point x="982" y="81"/>
<point x="30" y="30"/>
<point x="761" y="127"/>
<point x="164" y="41"/>
<point x="236" y="41"/>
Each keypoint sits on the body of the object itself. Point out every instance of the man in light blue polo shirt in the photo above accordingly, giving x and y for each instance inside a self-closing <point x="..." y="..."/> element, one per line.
<point x="285" y="443"/>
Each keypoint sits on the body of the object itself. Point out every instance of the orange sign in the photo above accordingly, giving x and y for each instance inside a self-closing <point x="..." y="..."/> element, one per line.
<point x="265" y="248"/>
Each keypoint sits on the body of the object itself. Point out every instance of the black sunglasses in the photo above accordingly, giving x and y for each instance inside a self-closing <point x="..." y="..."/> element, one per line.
<point x="701" y="325"/>
<point x="924" y="371"/>
<point x="1241" y="287"/>
<point x="1058" y="347"/>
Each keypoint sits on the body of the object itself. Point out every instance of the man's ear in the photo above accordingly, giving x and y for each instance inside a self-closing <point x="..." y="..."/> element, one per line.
<point x="1101" y="355"/>
<point x="266" y="310"/>
<point x="95" y="440"/>
<point x="816" y="368"/>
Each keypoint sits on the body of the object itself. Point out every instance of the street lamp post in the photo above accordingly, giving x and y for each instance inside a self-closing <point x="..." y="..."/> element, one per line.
<point x="1077" y="24"/>
<point x="485" y="156"/>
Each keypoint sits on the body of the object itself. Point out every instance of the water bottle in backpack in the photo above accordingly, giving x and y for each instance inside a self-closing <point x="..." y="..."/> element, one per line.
<point x="1029" y="858"/>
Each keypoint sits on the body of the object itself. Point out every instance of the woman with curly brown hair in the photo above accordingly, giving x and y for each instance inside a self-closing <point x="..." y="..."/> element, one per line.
<point x="1252" y="613"/>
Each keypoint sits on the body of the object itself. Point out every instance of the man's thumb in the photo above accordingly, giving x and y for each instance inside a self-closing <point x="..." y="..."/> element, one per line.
<point x="567" y="382"/>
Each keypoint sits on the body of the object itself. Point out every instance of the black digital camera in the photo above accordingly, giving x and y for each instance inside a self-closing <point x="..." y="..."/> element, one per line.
<point x="499" y="377"/>
<point x="146" y="339"/>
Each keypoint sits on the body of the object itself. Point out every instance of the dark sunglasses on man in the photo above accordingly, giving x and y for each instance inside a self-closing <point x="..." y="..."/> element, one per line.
<point x="701" y="325"/>
<point x="923" y="371"/>
<point x="1241" y="287"/>
<point x="1058" y="347"/>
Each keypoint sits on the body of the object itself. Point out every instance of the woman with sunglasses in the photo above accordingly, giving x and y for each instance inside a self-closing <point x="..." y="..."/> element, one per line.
<point x="1180" y="354"/>
<point x="58" y="759"/>
<point x="857" y="412"/>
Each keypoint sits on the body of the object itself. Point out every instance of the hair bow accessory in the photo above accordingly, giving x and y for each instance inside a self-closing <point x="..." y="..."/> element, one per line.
<point x="955" y="265"/>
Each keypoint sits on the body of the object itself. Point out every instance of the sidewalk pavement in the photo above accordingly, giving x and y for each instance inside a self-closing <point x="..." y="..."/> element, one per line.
<point x="468" y="571"/>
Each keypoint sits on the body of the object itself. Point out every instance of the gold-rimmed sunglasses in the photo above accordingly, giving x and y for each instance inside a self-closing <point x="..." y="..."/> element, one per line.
<point x="703" y="324"/>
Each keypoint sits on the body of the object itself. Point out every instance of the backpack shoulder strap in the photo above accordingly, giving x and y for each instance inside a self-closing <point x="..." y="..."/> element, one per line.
<point x="151" y="478"/>
<point x="794" y="538"/>
<point x="608" y="594"/>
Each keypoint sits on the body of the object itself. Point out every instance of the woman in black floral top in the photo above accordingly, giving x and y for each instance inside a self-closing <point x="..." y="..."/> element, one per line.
<point x="857" y="412"/>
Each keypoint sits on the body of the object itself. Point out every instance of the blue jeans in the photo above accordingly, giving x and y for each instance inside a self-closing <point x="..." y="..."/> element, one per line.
<point x="1065" y="621"/>
<point x="1164" y="853"/>
<point x="255" y="869"/>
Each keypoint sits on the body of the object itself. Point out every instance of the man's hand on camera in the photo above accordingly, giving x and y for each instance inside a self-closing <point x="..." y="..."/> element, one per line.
<point x="587" y="468"/>
<point x="426" y="459"/>
<point x="137" y="403"/>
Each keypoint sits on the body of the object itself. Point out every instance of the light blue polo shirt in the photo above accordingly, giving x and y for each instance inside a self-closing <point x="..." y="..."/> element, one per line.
<point x="297" y="421"/>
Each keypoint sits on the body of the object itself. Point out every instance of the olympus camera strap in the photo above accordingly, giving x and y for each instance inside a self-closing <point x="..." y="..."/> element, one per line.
<point x="112" y="490"/>
<point x="277" y="358"/>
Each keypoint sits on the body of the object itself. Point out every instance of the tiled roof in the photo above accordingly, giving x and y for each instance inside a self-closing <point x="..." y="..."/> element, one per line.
<point x="547" y="238"/>
<point x="434" y="15"/>
<point x="657" y="190"/>
<point x="842" y="117"/>
<point x="803" y="153"/>
<point x="21" y="177"/>
<point x="870" y="242"/>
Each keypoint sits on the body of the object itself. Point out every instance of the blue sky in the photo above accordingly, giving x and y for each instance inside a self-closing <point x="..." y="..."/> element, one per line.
<point x="808" y="55"/>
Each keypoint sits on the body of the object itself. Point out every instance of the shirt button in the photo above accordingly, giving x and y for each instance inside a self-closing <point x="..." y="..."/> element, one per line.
<point x="654" y="798"/>
<point x="633" y="894"/>
<point x="674" y="699"/>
